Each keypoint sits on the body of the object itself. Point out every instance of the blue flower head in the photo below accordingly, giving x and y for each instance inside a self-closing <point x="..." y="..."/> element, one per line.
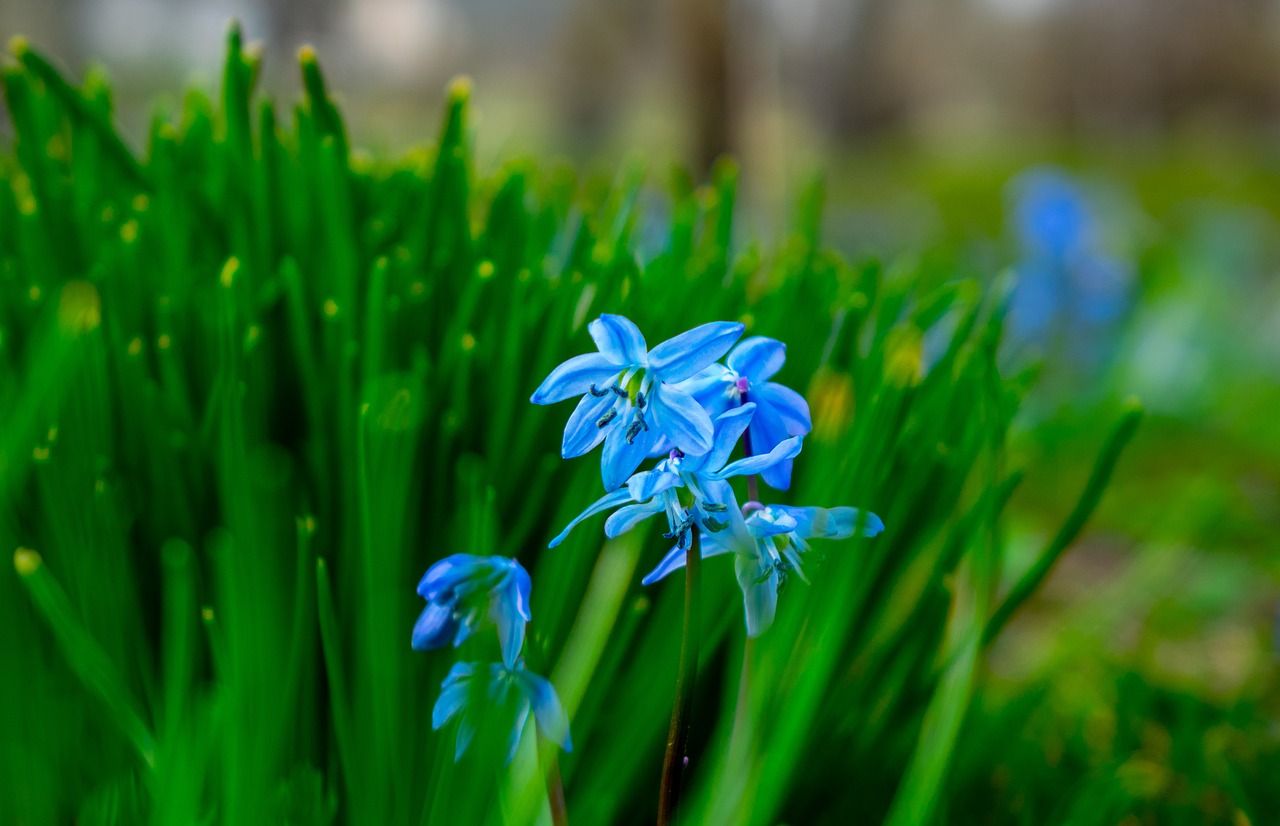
<point x="509" y="696"/>
<point x="461" y="590"/>
<point x="781" y="412"/>
<point x="630" y="398"/>
<point x="699" y="478"/>
<point x="770" y="543"/>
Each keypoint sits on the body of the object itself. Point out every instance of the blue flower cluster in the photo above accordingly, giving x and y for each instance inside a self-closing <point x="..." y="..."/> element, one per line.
<point x="679" y="403"/>
<point x="464" y="593"/>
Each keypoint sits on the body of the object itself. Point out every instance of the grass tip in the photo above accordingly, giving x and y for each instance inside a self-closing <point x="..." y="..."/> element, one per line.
<point x="460" y="89"/>
<point x="307" y="54"/>
<point x="79" y="307"/>
<point x="1133" y="406"/>
<point x="18" y="45"/>
<point x="228" y="275"/>
<point x="26" y="561"/>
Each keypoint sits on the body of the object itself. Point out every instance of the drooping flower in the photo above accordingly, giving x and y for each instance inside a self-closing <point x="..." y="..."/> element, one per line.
<point x="770" y="544"/>
<point x="690" y="490"/>
<point x="511" y="693"/>
<point x="461" y="590"/>
<point x="780" y="411"/>
<point x="630" y="400"/>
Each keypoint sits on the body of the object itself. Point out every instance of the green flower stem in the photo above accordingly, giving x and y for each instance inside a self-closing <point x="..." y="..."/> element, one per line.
<point x="677" y="758"/>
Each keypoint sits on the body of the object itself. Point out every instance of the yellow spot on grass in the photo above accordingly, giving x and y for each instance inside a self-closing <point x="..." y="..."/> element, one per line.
<point x="100" y="486"/>
<point x="108" y="214"/>
<point x="135" y="347"/>
<point x="53" y="434"/>
<point x="903" y="356"/>
<point x="18" y="45"/>
<point x="26" y="561"/>
<point x="417" y="288"/>
<point x="79" y="307"/>
<point x="330" y="308"/>
<point x="468" y="342"/>
<point x="33" y="293"/>
<point x="228" y="275"/>
<point x="56" y="148"/>
<point x="307" y="54"/>
<point x="307" y="524"/>
<point x="485" y="270"/>
<point x="129" y="231"/>
<point x="26" y="205"/>
<point x="40" y="453"/>
<point x="164" y="341"/>
<point x="252" y="334"/>
<point x="460" y="88"/>
<point x="141" y="203"/>
<point x="206" y="614"/>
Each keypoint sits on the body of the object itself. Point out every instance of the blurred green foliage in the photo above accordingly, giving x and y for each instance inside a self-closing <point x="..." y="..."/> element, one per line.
<point x="255" y="383"/>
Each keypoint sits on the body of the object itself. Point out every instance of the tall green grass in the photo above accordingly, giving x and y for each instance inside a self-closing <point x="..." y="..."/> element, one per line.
<point x="252" y="384"/>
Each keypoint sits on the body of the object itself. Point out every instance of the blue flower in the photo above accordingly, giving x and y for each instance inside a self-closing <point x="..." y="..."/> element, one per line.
<point x="462" y="588"/>
<point x="770" y="543"/>
<point x="511" y="690"/>
<point x="700" y="478"/>
<point x="629" y="398"/>
<point x="780" y="411"/>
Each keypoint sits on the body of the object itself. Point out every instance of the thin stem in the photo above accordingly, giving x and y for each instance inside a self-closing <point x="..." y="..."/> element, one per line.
<point x="741" y="709"/>
<point x="677" y="759"/>
<point x="753" y="490"/>
<point x="555" y="787"/>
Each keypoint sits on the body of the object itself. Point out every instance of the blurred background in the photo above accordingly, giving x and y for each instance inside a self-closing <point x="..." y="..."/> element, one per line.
<point x="1114" y="165"/>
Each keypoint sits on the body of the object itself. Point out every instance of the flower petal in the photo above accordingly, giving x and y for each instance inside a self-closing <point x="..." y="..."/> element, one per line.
<point x="581" y="433"/>
<point x="575" y="377"/>
<point x="681" y="419"/>
<point x="453" y="694"/>
<point x="505" y="613"/>
<point x="788" y="405"/>
<point x="547" y="711"/>
<point x="789" y="449"/>
<point x="768" y="430"/>
<point x="628" y="516"/>
<point x="604" y="503"/>
<point x="619" y="459"/>
<point x="833" y="523"/>
<point x="517" y="729"/>
<point x="677" y="556"/>
<point x="435" y="627"/>
<point x="447" y="573"/>
<point x="619" y="340"/>
<point x="757" y="358"/>
<point x="770" y="522"/>
<point x="713" y="388"/>
<point x="679" y="358"/>
<point x="649" y="483"/>
<point x="759" y="593"/>
<point x="729" y="427"/>
<point x="466" y="731"/>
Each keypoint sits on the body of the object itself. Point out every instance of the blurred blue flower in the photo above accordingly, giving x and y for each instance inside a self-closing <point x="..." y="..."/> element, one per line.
<point x="461" y="589"/>
<point x="1065" y="275"/>
<point x="770" y="543"/>
<point x="511" y="690"/>
<point x="629" y="398"/>
<point x="780" y="411"/>
<point x="699" y="478"/>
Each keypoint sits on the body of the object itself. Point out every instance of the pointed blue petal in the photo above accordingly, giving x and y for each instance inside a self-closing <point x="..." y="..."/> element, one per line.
<point x="547" y="711"/>
<point x="757" y="358"/>
<point x="679" y="358"/>
<point x="729" y="427"/>
<point x="649" y="483"/>
<point x="768" y="430"/>
<point x="619" y="340"/>
<point x="505" y="614"/>
<point x="523" y="587"/>
<point x="448" y="573"/>
<point x="833" y="523"/>
<point x="771" y="522"/>
<point x="575" y="377"/>
<point x="619" y="459"/>
<point x="754" y="464"/>
<point x="674" y="560"/>
<point x="628" y="516"/>
<point x="434" y="628"/>
<point x="759" y="598"/>
<point x="582" y="434"/>
<point x="681" y="419"/>
<point x="466" y="731"/>
<point x="453" y="694"/>
<point x="517" y="729"/>
<point x="604" y="503"/>
<point x="787" y="405"/>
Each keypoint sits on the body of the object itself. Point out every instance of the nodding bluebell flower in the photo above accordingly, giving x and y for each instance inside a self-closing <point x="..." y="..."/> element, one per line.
<point x="462" y="589"/>
<point x="630" y="400"/>
<point x="770" y="543"/>
<point x="511" y="690"/>
<point x="690" y="489"/>
<point x="780" y="411"/>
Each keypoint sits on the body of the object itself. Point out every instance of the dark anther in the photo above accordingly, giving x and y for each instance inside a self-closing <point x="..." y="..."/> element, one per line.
<point x="640" y="402"/>
<point x="764" y="575"/>
<point x="713" y="525"/>
<point x="606" y="418"/>
<point x="599" y="393"/>
<point x="618" y="391"/>
<point x="714" y="507"/>
<point x="633" y="431"/>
